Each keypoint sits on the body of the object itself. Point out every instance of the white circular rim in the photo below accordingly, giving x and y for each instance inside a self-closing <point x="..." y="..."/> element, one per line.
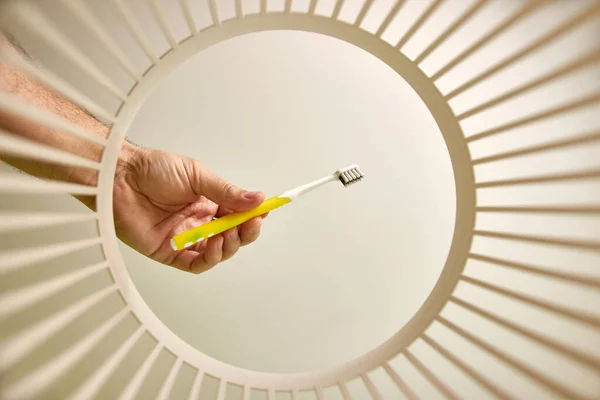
<point x="463" y="176"/>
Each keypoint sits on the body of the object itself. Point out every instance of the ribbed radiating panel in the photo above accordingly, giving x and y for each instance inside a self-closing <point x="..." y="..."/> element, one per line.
<point x="44" y="375"/>
<point x="160" y="16"/>
<point x="17" y="106"/>
<point x="34" y="19"/>
<point x="91" y="386"/>
<point x="83" y="14"/>
<point x="195" y="390"/>
<point x="11" y="145"/>
<point x="167" y="386"/>
<point x="61" y="87"/>
<point x="189" y="18"/>
<point x="16" y="348"/>
<point x="518" y="82"/>
<point x="10" y="183"/>
<point x="132" y="388"/>
<point x="214" y="13"/>
<point x="18" y="221"/>
<point x="13" y="301"/>
<point x="136" y="30"/>
<point x="10" y="260"/>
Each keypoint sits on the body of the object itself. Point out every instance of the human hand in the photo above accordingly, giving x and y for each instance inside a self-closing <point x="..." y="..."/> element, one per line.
<point x="156" y="194"/>
<point x="159" y="194"/>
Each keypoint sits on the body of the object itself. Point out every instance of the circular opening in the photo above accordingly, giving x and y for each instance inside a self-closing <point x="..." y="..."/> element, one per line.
<point x="341" y="271"/>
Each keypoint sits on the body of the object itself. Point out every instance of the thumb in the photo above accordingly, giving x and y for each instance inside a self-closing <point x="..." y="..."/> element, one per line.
<point x="226" y="194"/>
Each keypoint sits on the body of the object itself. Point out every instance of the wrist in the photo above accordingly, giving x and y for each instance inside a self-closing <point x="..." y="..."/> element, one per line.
<point x="126" y="158"/>
<point x="88" y="177"/>
<point x="128" y="155"/>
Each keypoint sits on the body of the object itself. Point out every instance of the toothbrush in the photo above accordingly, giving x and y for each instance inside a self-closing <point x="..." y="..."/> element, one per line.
<point x="347" y="176"/>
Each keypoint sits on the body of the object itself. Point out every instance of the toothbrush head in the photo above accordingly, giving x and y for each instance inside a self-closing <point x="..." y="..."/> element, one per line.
<point x="349" y="175"/>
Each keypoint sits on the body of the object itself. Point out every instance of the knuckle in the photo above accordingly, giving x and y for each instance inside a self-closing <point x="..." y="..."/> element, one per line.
<point x="251" y="237"/>
<point x="230" y="254"/>
<point x="229" y="189"/>
<point x="211" y="261"/>
<point x="196" y="269"/>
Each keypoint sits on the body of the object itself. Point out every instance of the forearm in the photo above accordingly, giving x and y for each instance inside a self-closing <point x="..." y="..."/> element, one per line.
<point x="16" y="82"/>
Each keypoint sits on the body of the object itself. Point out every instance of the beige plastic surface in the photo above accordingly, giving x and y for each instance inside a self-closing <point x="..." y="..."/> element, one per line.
<point x="515" y="312"/>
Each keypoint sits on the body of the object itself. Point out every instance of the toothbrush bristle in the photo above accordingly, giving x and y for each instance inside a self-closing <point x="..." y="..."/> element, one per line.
<point x="350" y="175"/>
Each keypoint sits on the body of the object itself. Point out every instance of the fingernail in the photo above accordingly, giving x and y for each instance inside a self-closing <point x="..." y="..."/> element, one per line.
<point x="251" y="195"/>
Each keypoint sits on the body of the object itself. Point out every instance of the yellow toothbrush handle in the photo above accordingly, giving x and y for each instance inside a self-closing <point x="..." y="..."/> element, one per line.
<point x="203" y="232"/>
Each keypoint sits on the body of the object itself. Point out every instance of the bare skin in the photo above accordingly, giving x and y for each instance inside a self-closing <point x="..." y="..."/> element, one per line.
<point x="156" y="194"/>
<point x="172" y="194"/>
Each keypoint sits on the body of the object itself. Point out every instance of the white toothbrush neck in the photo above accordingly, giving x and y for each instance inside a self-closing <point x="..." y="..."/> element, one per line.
<point x="292" y="194"/>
